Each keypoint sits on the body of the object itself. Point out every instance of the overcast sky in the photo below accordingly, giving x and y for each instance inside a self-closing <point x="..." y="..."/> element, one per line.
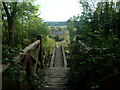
<point x="58" y="10"/>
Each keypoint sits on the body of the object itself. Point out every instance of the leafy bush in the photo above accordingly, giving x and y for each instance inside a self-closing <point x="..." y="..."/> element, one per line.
<point x="9" y="53"/>
<point x="88" y="68"/>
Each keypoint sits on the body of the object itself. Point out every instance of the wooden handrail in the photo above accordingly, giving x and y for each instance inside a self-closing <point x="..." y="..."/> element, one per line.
<point x="31" y="61"/>
<point x="83" y="45"/>
<point x="31" y="46"/>
<point x="32" y="50"/>
<point x="64" y="56"/>
<point x="53" y="56"/>
<point x="6" y="66"/>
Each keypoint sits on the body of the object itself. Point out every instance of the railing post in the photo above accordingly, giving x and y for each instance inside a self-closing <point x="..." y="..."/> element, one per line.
<point x="23" y="72"/>
<point x="53" y="56"/>
<point x="40" y="53"/>
<point x="64" y="56"/>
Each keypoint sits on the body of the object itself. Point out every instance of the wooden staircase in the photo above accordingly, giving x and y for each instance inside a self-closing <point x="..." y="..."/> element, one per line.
<point x="55" y="75"/>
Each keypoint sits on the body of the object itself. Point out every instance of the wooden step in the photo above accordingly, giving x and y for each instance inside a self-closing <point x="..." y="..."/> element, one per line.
<point x="55" y="77"/>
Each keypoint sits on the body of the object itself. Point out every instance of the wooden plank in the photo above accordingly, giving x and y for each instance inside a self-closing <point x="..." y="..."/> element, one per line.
<point x="21" y="56"/>
<point x="53" y="56"/>
<point x="5" y="66"/>
<point x="64" y="57"/>
<point x="18" y="58"/>
<point x="85" y="46"/>
<point x="31" y="46"/>
<point x="34" y="53"/>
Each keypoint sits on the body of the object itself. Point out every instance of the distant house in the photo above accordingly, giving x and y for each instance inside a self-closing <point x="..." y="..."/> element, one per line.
<point x="60" y="32"/>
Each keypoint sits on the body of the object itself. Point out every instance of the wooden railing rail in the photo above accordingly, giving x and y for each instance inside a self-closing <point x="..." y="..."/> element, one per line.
<point x="53" y="56"/>
<point x="31" y="59"/>
<point x="64" y="56"/>
<point x="83" y="46"/>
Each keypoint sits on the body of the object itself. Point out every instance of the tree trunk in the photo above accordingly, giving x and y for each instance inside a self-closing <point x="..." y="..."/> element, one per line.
<point x="11" y="32"/>
<point x="10" y="20"/>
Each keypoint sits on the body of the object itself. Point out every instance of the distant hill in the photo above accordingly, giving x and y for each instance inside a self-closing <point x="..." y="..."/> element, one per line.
<point x="56" y="23"/>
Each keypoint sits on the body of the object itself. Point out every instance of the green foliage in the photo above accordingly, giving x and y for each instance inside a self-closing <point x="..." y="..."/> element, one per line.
<point x="36" y="80"/>
<point x="27" y="25"/>
<point x="98" y="28"/>
<point x="48" y="45"/>
<point x="15" y="75"/>
<point x="58" y="33"/>
<point x="87" y="68"/>
<point x="8" y="53"/>
<point x="12" y="74"/>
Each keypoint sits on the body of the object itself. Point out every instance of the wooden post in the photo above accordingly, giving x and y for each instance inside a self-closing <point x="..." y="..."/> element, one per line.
<point x="40" y="53"/>
<point x="53" y="56"/>
<point x="64" y="56"/>
<point x="23" y="71"/>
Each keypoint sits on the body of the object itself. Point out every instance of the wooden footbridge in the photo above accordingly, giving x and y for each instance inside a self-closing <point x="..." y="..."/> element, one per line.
<point x="32" y="61"/>
<point x="55" y="74"/>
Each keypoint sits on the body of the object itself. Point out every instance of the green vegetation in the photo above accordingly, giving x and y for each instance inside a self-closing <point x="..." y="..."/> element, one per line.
<point x="99" y="28"/>
<point x="25" y="26"/>
<point x="20" y="27"/>
<point x="58" y="33"/>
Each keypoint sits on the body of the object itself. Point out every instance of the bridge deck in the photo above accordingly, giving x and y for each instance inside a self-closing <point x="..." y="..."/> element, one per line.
<point x="58" y="62"/>
<point x="55" y="75"/>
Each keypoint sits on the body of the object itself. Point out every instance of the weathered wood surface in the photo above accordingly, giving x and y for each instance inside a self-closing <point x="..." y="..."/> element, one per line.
<point x="55" y="75"/>
<point x="18" y="58"/>
<point x="53" y="56"/>
<point x="58" y="61"/>
<point x="64" y="56"/>
<point x="4" y="67"/>
<point x="30" y="47"/>
<point x="52" y="62"/>
<point x="30" y="53"/>
<point x="55" y="78"/>
<point x="82" y="46"/>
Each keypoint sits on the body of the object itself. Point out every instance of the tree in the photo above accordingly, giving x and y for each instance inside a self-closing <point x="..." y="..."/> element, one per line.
<point x="98" y="66"/>
<point x="10" y="9"/>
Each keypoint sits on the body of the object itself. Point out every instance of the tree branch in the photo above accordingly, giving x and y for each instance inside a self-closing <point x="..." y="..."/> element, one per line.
<point x="6" y="9"/>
